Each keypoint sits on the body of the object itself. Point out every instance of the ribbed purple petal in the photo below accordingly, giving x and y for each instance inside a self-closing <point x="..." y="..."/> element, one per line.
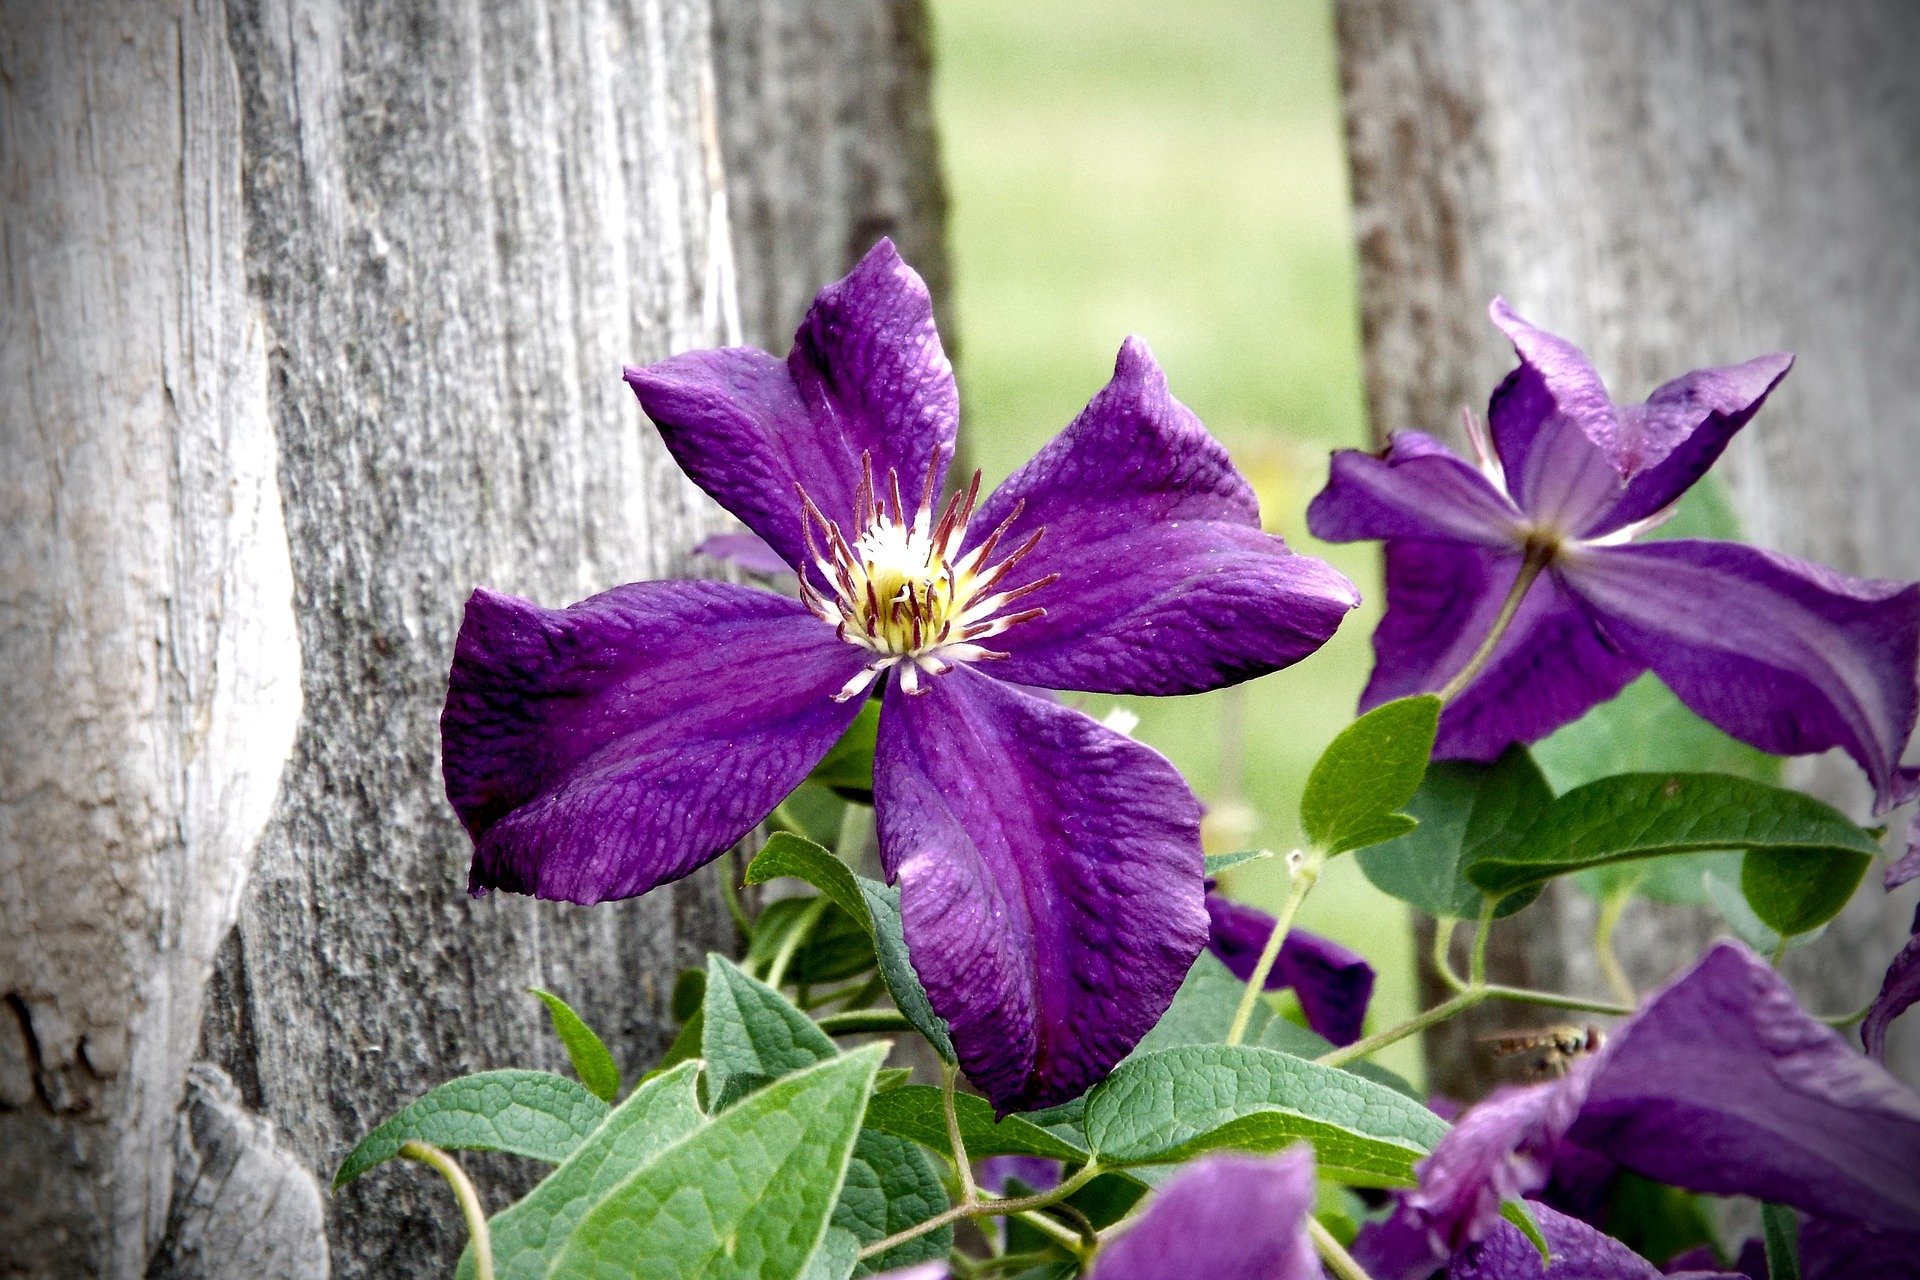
<point x="1722" y="1084"/>
<point x="1166" y="584"/>
<point x="866" y="377"/>
<point x="1699" y="413"/>
<point x="1500" y="1150"/>
<point x="1333" y="983"/>
<point x="1225" y="1217"/>
<point x="1831" y="1250"/>
<point x="1787" y="656"/>
<point x="1050" y="880"/>
<point x="1551" y="667"/>
<point x="1578" y="1252"/>
<point x="1899" y="991"/>
<point x="1416" y="488"/>
<point x="1556" y="431"/>
<point x="597" y="751"/>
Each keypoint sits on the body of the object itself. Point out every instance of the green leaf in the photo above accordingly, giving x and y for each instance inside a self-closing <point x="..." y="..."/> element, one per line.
<point x="1723" y="891"/>
<point x="747" y="1195"/>
<point x="1203" y="1009"/>
<point x="527" y="1235"/>
<point x="1466" y="812"/>
<point x="1219" y="862"/>
<point x="892" y="1078"/>
<point x="848" y="768"/>
<point x="777" y="921"/>
<point x="1795" y="891"/>
<point x="1368" y="773"/>
<point x="527" y="1113"/>
<point x="892" y="1185"/>
<point x="1643" y="815"/>
<point x="1780" y="1227"/>
<point x="837" y="1256"/>
<point x="1655" y="1220"/>
<point x="915" y="1112"/>
<point x="1178" y="1103"/>
<point x="752" y="1034"/>
<point x="873" y="905"/>
<point x="591" y="1061"/>
<point x="689" y="992"/>
<point x="1516" y="1212"/>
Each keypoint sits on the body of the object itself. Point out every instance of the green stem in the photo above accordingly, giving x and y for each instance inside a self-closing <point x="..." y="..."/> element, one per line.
<point x="1457" y="1003"/>
<point x="1306" y="866"/>
<point x="989" y="1208"/>
<point x="449" y="1168"/>
<point x="1443" y="953"/>
<point x="1554" y="1000"/>
<point x="782" y="819"/>
<point x="1845" y="1020"/>
<point x="962" y="1165"/>
<point x="802" y="926"/>
<point x="1536" y="560"/>
<point x="1611" y="908"/>
<point x="731" y="892"/>
<point x="850" y="843"/>
<point x="1482" y="930"/>
<point x="855" y="1021"/>
<point x="1331" y="1252"/>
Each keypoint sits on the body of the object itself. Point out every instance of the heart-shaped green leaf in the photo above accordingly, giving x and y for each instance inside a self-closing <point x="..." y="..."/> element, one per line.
<point x="1367" y="775"/>
<point x="527" y="1113"/>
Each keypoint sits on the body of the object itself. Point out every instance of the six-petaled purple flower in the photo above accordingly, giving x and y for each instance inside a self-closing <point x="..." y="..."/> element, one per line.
<point x="1049" y="869"/>
<point x="1788" y="656"/>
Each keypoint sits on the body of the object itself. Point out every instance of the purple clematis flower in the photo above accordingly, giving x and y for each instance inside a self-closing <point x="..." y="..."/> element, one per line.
<point x="1576" y="1250"/>
<point x="1225" y="1217"/>
<point x="1788" y="656"/>
<point x="1899" y="991"/>
<point x="1049" y="869"/>
<point x="1333" y="984"/>
<point x="1720" y="1084"/>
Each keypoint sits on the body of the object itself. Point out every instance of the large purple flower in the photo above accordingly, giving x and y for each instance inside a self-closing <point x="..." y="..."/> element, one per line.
<point x="1720" y="1084"/>
<point x="1049" y="869"/>
<point x="1787" y="656"/>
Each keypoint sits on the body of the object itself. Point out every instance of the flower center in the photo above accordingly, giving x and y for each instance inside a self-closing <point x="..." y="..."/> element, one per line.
<point x="901" y="588"/>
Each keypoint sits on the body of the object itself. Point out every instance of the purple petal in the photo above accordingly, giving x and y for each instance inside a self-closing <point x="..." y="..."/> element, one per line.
<point x="1397" y="1247"/>
<point x="1722" y="1084"/>
<point x="1787" y="656"/>
<point x="1908" y="864"/>
<point x="1578" y="1252"/>
<point x="1500" y="1150"/>
<point x="1166" y="584"/>
<point x="1899" y="991"/>
<point x="748" y="551"/>
<point x="1037" y="1172"/>
<point x="1050" y="880"/>
<point x="1551" y="667"/>
<point x="597" y="751"/>
<point x="1332" y="983"/>
<point x="1556" y="431"/>
<point x="866" y="377"/>
<point x="1225" y="1217"/>
<point x="1417" y="488"/>
<point x="1831" y="1250"/>
<point x="1695" y="416"/>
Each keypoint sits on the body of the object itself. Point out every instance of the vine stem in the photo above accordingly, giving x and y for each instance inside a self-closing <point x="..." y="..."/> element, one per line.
<point x="449" y="1168"/>
<point x="789" y="945"/>
<point x="962" y="1164"/>
<point x="1611" y="908"/>
<point x="853" y="1021"/>
<point x="987" y="1208"/>
<point x="1304" y="865"/>
<point x="1536" y="559"/>
<point x="1333" y="1253"/>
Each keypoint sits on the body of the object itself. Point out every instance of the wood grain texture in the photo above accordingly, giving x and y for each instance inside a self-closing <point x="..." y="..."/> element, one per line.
<point x="146" y="619"/>
<point x="827" y="126"/>
<point x="315" y="315"/>
<point x="1671" y="185"/>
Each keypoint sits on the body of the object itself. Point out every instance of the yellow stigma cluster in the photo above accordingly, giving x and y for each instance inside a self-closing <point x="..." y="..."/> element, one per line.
<point x="902" y="588"/>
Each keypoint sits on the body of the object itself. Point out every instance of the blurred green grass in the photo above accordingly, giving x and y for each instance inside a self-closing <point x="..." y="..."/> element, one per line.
<point x="1176" y="171"/>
